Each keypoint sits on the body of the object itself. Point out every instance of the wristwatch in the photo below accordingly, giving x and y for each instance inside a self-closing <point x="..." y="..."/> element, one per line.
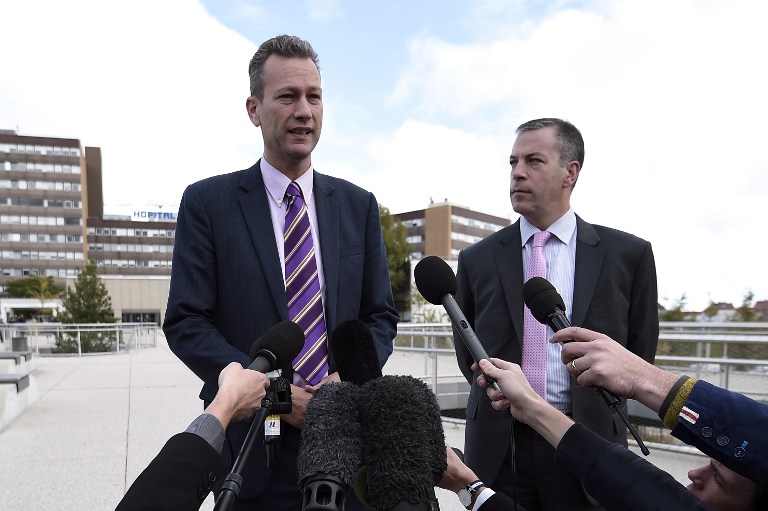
<point x="467" y="493"/>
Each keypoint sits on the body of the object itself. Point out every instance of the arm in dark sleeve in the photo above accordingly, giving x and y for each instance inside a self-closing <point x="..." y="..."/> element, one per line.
<point x="619" y="479"/>
<point x="643" y="334"/>
<point x="726" y="426"/>
<point x="192" y="299"/>
<point x="180" y="476"/>
<point x="377" y="307"/>
<point x="466" y="303"/>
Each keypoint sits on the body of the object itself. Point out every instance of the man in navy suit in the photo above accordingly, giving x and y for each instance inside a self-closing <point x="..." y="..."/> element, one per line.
<point x="607" y="279"/>
<point x="228" y="285"/>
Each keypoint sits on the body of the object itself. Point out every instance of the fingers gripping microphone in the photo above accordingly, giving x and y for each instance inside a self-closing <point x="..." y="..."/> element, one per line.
<point x="331" y="452"/>
<point x="436" y="282"/>
<point x="548" y="308"/>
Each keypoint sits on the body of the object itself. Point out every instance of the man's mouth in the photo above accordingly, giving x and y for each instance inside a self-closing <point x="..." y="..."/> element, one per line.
<point x="300" y="131"/>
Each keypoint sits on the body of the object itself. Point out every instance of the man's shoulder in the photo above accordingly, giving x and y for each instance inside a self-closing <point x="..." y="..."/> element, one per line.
<point x="490" y="242"/>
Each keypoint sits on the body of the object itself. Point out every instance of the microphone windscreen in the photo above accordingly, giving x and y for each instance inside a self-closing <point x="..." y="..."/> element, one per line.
<point x="354" y="352"/>
<point x="434" y="279"/>
<point x="397" y="432"/>
<point x="284" y="340"/>
<point x="331" y="439"/>
<point x="542" y="298"/>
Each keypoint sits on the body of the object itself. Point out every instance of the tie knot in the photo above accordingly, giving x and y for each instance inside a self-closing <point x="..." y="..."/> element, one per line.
<point x="541" y="238"/>
<point x="293" y="189"/>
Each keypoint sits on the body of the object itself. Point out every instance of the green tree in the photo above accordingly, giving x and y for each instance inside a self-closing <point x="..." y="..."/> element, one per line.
<point x="711" y="310"/>
<point x="87" y="302"/>
<point x="398" y="251"/>
<point x="746" y="311"/>
<point x="34" y="286"/>
<point x="676" y="312"/>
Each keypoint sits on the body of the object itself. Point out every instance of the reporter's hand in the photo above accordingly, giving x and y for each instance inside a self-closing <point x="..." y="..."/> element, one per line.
<point x="240" y="393"/>
<point x="457" y="475"/>
<point x="597" y="360"/>
<point x="516" y="393"/>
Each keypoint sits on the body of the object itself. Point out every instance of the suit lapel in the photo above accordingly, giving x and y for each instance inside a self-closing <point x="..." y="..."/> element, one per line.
<point x="589" y="263"/>
<point x="509" y="262"/>
<point x="255" y="209"/>
<point x="327" y="209"/>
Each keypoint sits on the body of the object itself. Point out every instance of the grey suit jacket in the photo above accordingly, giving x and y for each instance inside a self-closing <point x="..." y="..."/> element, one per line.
<point x="614" y="293"/>
<point x="227" y="286"/>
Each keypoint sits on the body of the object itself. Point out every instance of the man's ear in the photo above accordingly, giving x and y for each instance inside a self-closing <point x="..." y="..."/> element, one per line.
<point x="572" y="173"/>
<point x="253" y="106"/>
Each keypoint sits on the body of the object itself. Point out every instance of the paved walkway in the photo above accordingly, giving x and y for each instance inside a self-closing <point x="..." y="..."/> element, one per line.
<point x="99" y="420"/>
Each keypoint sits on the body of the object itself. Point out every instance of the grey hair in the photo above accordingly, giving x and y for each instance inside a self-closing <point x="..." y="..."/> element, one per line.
<point x="283" y="45"/>
<point x="570" y="143"/>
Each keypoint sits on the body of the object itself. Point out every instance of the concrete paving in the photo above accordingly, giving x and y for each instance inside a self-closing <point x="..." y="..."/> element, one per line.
<point x="99" y="420"/>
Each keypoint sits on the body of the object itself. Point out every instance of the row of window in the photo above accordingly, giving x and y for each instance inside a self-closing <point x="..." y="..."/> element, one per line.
<point x="45" y="203"/>
<point x="39" y="149"/>
<point x="41" y="238"/>
<point x="130" y="263"/>
<point x="55" y="168"/>
<point x="465" y="237"/>
<point x="488" y="226"/>
<point x="417" y="238"/>
<point x="23" y="184"/>
<point x="41" y="255"/>
<point x="146" y="233"/>
<point x="40" y="220"/>
<point x="45" y="272"/>
<point x="128" y="247"/>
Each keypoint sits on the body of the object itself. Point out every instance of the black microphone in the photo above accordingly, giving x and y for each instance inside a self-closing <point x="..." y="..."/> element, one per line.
<point x="353" y="352"/>
<point x="547" y="306"/>
<point x="277" y="348"/>
<point x="400" y="432"/>
<point x="436" y="282"/>
<point x="331" y="447"/>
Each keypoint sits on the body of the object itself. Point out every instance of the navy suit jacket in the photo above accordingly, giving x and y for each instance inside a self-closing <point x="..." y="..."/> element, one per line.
<point x="227" y="287"/>
<point x="614" y="293"/>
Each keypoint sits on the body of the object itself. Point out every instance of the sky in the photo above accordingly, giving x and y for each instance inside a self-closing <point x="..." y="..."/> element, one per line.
<point x="421" y="100"/>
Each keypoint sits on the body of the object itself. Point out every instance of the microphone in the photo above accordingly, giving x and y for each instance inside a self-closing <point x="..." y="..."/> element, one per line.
<point x="547" y="306"/>
<point x="400" y="434"/>
<point x="436" y="282"/>
<point x="354" y="353"/>
<point x="279" y="345"/>
<point x="331" y="447"/>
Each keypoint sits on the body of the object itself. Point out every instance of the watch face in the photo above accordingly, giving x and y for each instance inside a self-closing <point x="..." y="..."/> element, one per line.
<point x="464" y="497"/>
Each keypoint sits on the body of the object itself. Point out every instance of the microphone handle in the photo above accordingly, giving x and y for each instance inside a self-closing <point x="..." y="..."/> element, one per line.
<point x="264" y="362"/>
<point x="558" y="321"/>
<point x="467" y="334"/>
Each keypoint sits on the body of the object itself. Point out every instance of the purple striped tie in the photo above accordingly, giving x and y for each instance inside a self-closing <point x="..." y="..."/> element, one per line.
<point x="534" y="363"/>
<point x="302" y="288"/>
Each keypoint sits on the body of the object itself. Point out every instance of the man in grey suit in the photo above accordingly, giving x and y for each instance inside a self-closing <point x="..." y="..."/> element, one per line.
<point x="607" y="279"/>
<point x="228" y="285"/>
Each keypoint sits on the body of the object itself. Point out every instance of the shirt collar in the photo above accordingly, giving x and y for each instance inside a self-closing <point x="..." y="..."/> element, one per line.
<point x="276" y="182"/>
<point x="563" y="228"/>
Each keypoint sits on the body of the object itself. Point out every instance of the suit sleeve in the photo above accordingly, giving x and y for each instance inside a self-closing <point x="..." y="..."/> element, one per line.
<point x="377" y="308"/>
<point x="728" y="427"/>
<point x="617" y="478"/>
<point x="192" y="299"/>
<point x="466" y="303"/>
<point x="643" y="333"/>
<point x="180" y="476"/>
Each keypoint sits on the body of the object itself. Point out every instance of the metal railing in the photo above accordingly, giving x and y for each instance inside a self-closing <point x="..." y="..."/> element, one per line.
<point x="730" y="355"/>
<point x="53" y="339"/>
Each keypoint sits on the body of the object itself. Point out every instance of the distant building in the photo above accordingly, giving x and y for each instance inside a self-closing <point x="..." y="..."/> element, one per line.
<point x="444" y="229"/>
<point x="52" y="221"/>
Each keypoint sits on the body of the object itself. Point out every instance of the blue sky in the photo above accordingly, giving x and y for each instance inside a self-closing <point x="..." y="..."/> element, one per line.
<point x="421" y="100"/>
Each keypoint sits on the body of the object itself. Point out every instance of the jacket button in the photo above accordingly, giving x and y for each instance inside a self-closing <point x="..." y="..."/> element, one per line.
<point x="706" y="432"/>
<point x="739" y="452"/>
<point x="722" y="440"/>
<point x="211" y="476"/>
<point x="202" y="493"/>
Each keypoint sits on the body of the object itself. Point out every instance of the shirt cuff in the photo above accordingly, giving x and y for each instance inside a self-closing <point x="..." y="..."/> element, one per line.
<point x="485" y="495"/>
<point x="209" y="429"/>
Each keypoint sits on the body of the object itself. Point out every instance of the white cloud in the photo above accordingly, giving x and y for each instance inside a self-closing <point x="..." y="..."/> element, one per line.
<point x="324" y="10"/>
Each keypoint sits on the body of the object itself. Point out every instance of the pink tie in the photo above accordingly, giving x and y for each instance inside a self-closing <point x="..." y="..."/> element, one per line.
<point x="534" y="363"/>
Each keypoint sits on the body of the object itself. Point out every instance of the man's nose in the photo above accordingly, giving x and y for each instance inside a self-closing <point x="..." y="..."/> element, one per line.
<point x="302" y="110"/>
